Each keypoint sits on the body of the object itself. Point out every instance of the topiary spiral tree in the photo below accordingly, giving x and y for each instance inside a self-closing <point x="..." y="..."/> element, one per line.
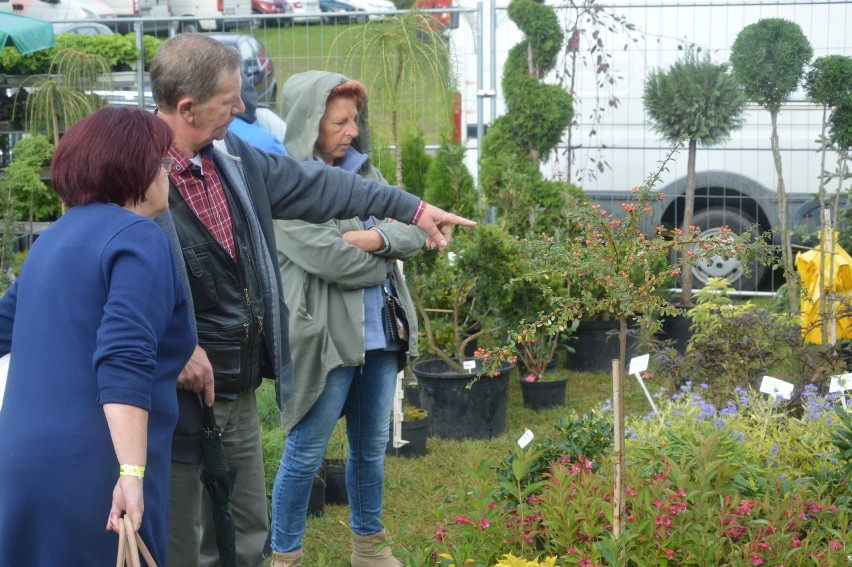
<point x="536" y="116"/>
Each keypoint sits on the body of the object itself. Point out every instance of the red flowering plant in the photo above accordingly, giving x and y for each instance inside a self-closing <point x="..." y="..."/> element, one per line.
<point x="614" y="268"/>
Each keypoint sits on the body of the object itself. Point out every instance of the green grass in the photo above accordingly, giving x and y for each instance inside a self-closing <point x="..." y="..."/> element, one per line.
<point x="420" y="493"/>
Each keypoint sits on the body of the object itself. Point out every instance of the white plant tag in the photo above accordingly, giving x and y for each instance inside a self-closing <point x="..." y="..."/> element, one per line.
<point x="776" y="387"/>
<point x="840" y="383"/>
<point x="525" y="438"/>
<point x="639" y="364"/>
<point x="469" y="365"/>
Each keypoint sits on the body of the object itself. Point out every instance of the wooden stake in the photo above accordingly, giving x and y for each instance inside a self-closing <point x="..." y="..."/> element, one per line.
<point x="618" y="427"/>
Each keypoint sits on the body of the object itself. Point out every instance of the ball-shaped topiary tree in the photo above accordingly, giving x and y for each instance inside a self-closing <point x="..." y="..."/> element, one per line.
<point x="768" y="59"/>
<point x="700" y="102"/>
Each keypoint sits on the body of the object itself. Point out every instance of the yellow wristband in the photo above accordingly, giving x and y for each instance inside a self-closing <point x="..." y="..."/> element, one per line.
<point x="131" y="470"/>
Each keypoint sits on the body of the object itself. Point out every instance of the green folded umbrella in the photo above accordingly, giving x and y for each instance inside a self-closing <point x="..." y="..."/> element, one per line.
<point x="219" y="478"/>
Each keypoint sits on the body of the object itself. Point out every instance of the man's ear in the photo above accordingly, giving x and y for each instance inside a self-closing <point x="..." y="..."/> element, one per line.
<point x="186" y="108"/>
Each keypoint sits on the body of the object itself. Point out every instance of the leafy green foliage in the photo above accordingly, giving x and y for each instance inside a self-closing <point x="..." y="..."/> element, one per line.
<point x="522" y="473"/>
<point x="840" y="125"/>
<point x="769" y="58"/>
<point x="119" y="51"/>
<point x="841" y="438"/>
<point x="460" y="296"/>
<point x="695" y="99"/>
<point x="827" y="82"/>
<point x="415" y="164"/>
<point x="733" y="344"/>
<point x="449" y="184"/>
<point x="23" y="195"/>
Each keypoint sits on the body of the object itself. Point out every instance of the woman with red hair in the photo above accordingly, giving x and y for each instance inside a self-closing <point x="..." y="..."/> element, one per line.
<point x="99" y="329"/>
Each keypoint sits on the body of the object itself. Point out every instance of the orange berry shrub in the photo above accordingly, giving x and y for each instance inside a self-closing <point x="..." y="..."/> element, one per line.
<point x="614" y="267"/>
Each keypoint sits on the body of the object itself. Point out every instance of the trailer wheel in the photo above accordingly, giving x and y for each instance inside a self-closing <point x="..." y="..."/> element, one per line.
<point x="711" y="221"/>
<point x="189" y="27"/>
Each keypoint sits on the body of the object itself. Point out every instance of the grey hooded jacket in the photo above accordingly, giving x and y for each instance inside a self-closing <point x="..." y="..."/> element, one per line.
<point x="323" y="276"/>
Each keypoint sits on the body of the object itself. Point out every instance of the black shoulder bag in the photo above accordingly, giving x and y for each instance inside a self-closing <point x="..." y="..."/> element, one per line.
<point x="393" y="316"/>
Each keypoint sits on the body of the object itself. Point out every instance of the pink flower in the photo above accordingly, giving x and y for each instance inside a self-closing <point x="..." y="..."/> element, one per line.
<point x="756" y="559"/>
<point x="669" y="553"/>
<point x="440" y="532"/>
<point x="530" y="377"/>
<point x="485" y="523"/>
<point x="462" y="520"/>
<point x="834" y="545"/>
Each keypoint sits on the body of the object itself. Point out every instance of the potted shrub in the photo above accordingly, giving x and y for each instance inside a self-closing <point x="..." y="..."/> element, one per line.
<point x="543" y="385"/>
<point x="415" y="430"/>
<point x="460" y="298"/>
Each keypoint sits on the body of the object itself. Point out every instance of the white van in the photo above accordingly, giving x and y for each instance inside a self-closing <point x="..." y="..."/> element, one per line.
<point x="200" y="9"/>
<point x="140" y="9"/>
<point x="58" y="10"/>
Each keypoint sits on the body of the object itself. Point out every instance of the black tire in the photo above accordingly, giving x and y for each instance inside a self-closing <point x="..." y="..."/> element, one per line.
<point x="710" y="221"/>
<point x="189" y="27"/>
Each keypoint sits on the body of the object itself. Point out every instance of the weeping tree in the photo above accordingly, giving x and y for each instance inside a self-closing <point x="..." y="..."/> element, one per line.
<point x="769" y="59"/>
<point x="403" y="59"/>
<point x="64" y="96"/>
<point x="536" y="116"/>
<point x="700" y="102"/>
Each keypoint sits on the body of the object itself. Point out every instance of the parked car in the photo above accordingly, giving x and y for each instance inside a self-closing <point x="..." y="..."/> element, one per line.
<point x="81" y="28"/>
<point x="376" y="7"/>
<point x="59" y="10"/>
<point x="270" y="7"/>
<point x="256" y="63"/>
<point x="301" y="7"/>
<point x="341" y="12"/>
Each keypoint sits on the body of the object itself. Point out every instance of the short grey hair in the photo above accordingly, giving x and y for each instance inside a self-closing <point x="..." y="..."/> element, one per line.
<point x="191" y="64"/>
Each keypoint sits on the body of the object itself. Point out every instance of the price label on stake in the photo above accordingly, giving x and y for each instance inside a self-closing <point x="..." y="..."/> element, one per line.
<point x="525" y="439"/>
<point x="776" y="387"/>
<point x="840" y="383"/>
<point x="469" y="365"/>
<point x="638" y="365"/>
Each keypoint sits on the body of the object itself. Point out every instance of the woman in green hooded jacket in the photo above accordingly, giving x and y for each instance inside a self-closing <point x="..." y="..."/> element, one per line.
<point x="333" y="276"/>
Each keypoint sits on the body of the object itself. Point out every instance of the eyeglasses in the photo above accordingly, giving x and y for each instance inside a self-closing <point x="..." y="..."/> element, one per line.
<point x="167" y="163"/>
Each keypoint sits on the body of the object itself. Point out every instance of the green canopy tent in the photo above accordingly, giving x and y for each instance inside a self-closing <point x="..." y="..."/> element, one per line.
<point x="25" y="34"/>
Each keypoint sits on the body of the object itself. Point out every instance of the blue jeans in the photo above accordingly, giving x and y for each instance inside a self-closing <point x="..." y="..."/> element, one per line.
<point x="364" y="395"/>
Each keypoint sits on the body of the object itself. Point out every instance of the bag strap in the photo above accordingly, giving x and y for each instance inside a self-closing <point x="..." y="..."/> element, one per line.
<point x="130" y="545"/>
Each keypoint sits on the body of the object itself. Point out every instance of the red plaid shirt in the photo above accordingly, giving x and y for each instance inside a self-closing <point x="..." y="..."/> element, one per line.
<point x="205" y="195"/>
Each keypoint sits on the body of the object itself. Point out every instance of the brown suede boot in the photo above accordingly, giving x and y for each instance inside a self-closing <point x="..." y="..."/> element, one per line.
<point x="364" y="553"/>
<point x="289" y="559"/>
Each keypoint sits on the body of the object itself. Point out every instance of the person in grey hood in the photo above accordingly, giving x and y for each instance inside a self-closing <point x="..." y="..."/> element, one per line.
<point x="343" y="363"/>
